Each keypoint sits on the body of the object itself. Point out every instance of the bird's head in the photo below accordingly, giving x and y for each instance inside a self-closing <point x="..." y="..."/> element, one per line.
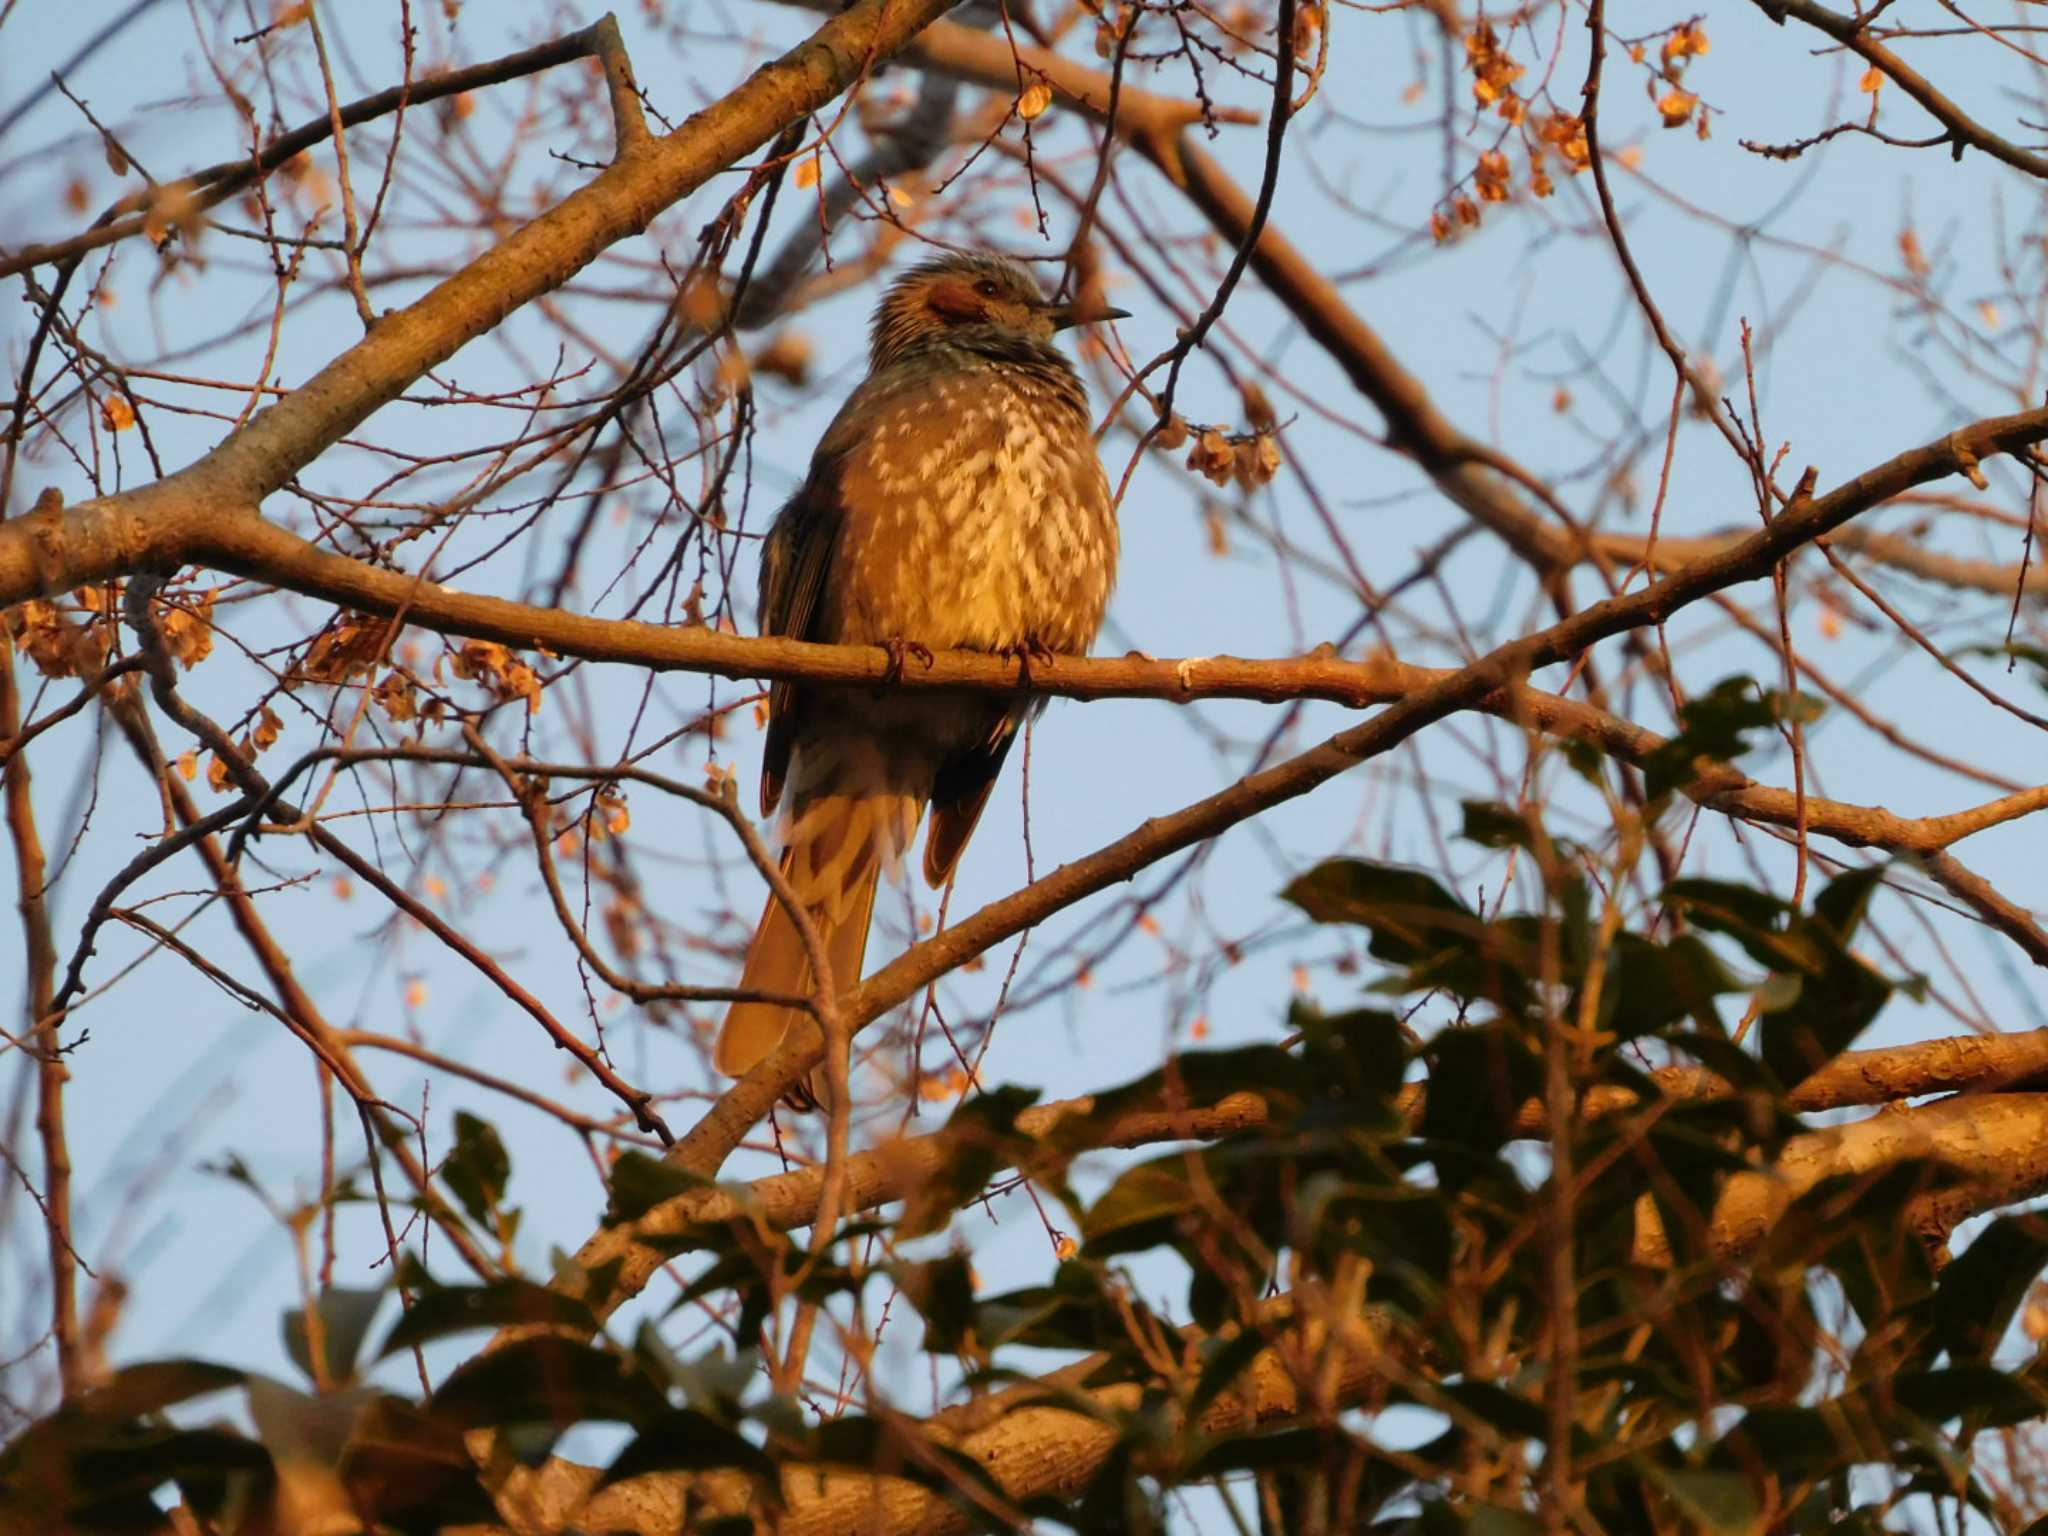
<point x="974" y="299"/>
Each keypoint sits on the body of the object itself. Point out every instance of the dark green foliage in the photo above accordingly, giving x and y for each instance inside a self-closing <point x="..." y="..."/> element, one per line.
<point x="979" y="1141"/>
<point x="451" y="1309"/>
<point x="1825" y="996"/>
<point x="1385" y="1245"/>
<point x="1982" y="1289"/>
<point x="639" y="1183"/>
<point x="345" y="1316"/>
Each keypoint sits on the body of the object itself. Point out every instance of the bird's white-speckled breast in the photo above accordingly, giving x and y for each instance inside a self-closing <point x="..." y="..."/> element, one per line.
<point x="977" y="515"/>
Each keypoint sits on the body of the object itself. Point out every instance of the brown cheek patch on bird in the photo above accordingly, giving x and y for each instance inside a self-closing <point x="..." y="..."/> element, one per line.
<point x="956" y="302"/>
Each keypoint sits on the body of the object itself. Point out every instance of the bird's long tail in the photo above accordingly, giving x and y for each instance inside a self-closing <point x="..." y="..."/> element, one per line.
<point x="852" y="815"/>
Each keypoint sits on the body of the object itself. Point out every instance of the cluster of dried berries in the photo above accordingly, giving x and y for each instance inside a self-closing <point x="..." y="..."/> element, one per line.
<point x="1676" y="105"/>
<point x="56" y="638"/>
<point x="352" y="643"/>
<point x="1251" y="459"/>
<point x="73" y="636"/>
<point x="499" y="670"/>
<point x="1494" y="73"/>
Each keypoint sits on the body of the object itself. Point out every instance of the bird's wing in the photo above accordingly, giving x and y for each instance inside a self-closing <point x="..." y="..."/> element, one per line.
<point x="959" y="793"/>
<point x="797" y="554"/>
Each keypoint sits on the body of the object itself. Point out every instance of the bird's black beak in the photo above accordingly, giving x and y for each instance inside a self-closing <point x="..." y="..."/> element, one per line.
<point x="1081" y="312"/>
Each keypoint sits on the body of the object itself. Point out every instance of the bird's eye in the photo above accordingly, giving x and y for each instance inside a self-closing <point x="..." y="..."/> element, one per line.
<point x="986" y="287"/>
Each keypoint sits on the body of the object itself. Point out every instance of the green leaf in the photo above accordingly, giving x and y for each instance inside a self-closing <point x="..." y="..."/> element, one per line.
<point x="1984" y="1285"/>
<point x="135" y="1390"/>
<point x="1756" y="920"/>
<point x="1479" y="1079"/>
<point x="1852" y="1223"/>
<point x="1493" y="825"/>
<point x="1708" y="1500"/>
<point x="1406" y="1232"/>
<point x="478" y="1169"/>
<point x="1831" y="1010"/>
<point x="1836" y="996"/>
<point x="1651" y="986"/>
<point x="1141" y="1208"/>
<point x="684" y="1440"/>
<point x="1713" y="725"/>
<point x="1845" y="899"/>
<point x="1357" y="1059"/>
<point x="1990" y="1397"/>
<point x="1075" y="1312"/>
<point x="453" y="1309"/>
<point x="979" y="1140"/>
<point x="345" y="1316"/>
<point x="1797" y="1443"/>
<point x="943" y="1293"/>
<point x="639" y="1183"/>
<point x="547" y="1380"/>
<point x="156" y="1455"/>
<point x="406" y="1469"/>
<point x="1417" y="924"/>
<point x="1410" y="914"/>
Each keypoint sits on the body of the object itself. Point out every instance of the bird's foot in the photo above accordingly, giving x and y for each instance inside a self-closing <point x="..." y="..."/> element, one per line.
<point x="901" y="650"/>
<point x="1024" y="653"/>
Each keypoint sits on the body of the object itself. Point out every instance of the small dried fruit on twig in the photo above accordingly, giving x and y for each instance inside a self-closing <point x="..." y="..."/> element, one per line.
<point x="58" y="644"/>
<point x="621" y="922"/>
<point x="394" y="695"/>
<point x="1565" y="132"/>
<point x="1676" y="108"/>
<point x="701" y="302"/>
<point x="1491" y="177"/>
<point x="1308" y="28"/>
<point x="1493" y="72"/>
<point x="1036" y="98"/>
<point x="1258" y="460"/>
<point x="1213" y="456"/>
<point x="348" y="644"/>
<point x="172" y="209"/>
<point x="1913" y="254"/>
<point x="1258" y="410"/>
<point x="187" y="628"/>
<point x="787" y="356"/>
<point x="1688" y="42"/>
<point x="500" y="670"/>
